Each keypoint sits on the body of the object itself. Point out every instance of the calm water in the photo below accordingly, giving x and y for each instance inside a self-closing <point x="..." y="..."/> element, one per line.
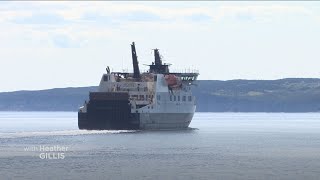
<point x="221" y="146"/>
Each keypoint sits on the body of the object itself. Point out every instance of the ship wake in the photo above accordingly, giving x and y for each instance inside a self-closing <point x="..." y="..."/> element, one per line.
<point x="62" y="133"/>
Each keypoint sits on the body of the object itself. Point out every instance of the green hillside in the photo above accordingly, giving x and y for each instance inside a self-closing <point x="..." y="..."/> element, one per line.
<point x="284" y="95"/>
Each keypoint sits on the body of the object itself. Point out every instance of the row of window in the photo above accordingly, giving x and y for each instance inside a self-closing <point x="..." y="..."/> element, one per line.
<point x="172" y="97"/>
<point x="177" y="98"/>
<point x="142" y="97"/>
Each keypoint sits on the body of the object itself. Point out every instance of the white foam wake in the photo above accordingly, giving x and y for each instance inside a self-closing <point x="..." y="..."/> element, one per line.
<point x="62" y="133"/>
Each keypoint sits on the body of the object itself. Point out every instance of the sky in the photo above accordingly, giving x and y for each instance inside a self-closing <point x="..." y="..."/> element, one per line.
<point x="57" y="44"/>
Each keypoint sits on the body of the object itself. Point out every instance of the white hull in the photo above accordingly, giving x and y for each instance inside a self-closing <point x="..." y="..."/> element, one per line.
<point x="165" y="120"/>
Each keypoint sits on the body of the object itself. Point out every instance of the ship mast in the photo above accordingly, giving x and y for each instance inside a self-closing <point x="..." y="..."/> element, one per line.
<point x="157" y="66"/>
<point x="157" y="58"/>
<point x="136" y="71"/>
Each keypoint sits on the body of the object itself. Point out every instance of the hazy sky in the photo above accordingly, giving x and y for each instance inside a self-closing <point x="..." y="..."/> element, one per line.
<point x="69" y="44"/>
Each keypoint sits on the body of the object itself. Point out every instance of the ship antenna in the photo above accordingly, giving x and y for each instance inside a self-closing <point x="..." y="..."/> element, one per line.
<point x="136" y="71"/>
<point x="108" y="70"/>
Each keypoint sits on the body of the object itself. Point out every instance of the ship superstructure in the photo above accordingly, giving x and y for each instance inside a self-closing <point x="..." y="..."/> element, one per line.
<point x="156" y="99"/>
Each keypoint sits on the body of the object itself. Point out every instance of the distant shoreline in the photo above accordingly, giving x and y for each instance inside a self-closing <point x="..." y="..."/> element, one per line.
<point x="292" y="95"/>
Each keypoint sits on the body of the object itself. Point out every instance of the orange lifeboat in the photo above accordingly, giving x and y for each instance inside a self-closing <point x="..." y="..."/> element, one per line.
<point x="171" y="79"/>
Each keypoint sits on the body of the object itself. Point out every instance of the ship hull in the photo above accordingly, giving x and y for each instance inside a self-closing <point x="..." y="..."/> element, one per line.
<point x="165" y="120"/>
<point x="113" y="111"/>
<point x="144" y="121"/>
<point x="90" y="121"/>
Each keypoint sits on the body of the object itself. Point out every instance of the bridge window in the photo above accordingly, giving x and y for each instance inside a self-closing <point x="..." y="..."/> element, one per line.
<point x="184" y="98"/>
<point x="189" y="98"/>
<point x="174" y="98"/>
<point x="178" y="98"/>
<point x="105" y="78"/>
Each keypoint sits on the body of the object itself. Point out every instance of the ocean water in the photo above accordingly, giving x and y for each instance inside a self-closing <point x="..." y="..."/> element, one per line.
<point x="217" y="146"/>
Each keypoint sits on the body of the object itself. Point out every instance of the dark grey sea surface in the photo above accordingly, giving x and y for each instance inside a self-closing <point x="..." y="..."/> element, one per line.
<point x="217" y="146"/>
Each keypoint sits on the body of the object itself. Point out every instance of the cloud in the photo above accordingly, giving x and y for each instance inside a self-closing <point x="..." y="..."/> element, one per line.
<point x="199" y="18"/>
<point x="140" y="16"/>
<point x="94" y="16"/>
<point x="64" y="41"/>
<point x="68" y="24"/>
<point x="41" y="18"/>
<point x="96" y="19"/>
<point x="115" y="13"/>
<point x="258" y="12"/>
<point x="245" y="16"/>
